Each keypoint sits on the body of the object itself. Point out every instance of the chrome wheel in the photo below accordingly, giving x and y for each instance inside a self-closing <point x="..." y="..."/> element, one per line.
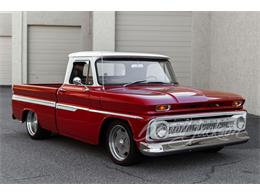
<point x="119" y="142"/>
<point x="32" y="123"/>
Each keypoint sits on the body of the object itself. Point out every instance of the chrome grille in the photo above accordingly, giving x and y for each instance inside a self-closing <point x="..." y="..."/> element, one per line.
<point x="201" y="126"/>
<point x="189" y="126"/>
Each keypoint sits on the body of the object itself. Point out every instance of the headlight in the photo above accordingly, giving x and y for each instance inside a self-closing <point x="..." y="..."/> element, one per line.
<point x="241" y="122"/>
<point x="159" y="130"/>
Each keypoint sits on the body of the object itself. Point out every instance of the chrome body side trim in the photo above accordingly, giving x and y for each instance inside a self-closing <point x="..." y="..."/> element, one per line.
<point x="164" y="148"/>
<point x="65" y="107"/>
<point x="117" y="114"/>
<point x="33" y="100"/>
<point x="75" y="108"/>
<point x="68" y="107"/>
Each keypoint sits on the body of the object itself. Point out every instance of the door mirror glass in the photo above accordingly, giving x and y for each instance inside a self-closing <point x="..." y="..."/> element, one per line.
<point x="77" y="81"/>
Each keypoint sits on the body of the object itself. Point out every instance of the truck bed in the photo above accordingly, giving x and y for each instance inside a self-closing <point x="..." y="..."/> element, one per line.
<point x="41" y="91"/>
<point x="35" y="97"/>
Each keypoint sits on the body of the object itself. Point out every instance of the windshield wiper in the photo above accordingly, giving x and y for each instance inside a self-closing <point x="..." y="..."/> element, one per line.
<point x="157" y="82"/>
<point x="135" y="82"/>
<point x="144" y="81"/>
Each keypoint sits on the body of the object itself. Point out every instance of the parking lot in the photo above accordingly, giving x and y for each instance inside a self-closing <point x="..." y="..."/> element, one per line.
<point x="63" y="160"/>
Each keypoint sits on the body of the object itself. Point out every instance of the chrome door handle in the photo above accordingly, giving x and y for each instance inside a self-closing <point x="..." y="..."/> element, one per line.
<point x="62" y="90"/>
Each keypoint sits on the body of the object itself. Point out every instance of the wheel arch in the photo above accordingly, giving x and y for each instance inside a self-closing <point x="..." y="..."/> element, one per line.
<point x="25" y="112"/>
<point x="105" y="124"/>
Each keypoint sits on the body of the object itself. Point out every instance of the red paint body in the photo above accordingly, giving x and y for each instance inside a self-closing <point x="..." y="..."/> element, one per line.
<point x="138" y="100"/>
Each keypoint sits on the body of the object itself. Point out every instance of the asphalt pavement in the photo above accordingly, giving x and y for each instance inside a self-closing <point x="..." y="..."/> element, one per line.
<point x="64" y="160"/>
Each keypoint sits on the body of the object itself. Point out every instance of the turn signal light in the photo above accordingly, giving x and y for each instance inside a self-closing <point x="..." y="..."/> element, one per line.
<point x="237" y="103"/>
<point x="163" y="107"/>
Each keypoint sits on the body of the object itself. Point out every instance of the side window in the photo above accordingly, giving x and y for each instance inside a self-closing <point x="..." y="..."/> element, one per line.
<point x="83" y="71"/>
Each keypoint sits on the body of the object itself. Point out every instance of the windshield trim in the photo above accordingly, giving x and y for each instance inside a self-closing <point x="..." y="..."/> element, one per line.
<point x="170" y="69"/>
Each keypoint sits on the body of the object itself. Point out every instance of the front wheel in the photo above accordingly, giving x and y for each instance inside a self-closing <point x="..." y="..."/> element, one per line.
<point x="120" y="144"/>
<point x="33" y="128"/>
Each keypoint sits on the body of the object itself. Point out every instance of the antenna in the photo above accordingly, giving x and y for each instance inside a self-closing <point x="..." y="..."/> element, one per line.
<point x="102" y="64"/>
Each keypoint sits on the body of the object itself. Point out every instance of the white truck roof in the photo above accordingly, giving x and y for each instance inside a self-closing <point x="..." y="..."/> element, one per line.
<point x="116" y="54"/>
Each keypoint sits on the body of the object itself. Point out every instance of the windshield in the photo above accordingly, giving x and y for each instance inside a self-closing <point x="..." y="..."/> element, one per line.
<point x="127" y="71"/>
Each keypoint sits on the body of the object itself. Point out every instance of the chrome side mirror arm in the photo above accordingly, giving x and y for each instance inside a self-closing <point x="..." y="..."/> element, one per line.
<point x="77" y="82"/>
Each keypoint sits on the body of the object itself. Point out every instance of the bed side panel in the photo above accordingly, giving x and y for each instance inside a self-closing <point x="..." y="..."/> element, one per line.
<point x="39" y="99"/>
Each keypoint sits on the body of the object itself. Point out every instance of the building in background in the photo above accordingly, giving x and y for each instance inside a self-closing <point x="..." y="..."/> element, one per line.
<point x="5" y="48"/>
<point x="213" y="50"/>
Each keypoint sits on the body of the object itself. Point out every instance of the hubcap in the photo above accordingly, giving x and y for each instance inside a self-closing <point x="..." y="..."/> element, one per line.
<point x="32" y="123"/>
<point x="119" y="142"/>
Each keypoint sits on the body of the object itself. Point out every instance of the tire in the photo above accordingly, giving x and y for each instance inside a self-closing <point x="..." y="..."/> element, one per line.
<point x="213" y="150"/>
<point x="120" y="144"/>
<point x="33" y="128"/>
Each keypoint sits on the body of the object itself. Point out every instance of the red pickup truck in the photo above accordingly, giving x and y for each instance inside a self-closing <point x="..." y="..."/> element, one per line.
<point x="132" y="103"/>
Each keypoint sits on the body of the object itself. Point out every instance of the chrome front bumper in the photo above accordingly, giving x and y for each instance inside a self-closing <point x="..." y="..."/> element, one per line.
<point x="164" y="148"/>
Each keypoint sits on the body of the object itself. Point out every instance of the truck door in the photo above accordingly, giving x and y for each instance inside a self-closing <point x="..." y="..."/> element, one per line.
<point x="73" y="102"/>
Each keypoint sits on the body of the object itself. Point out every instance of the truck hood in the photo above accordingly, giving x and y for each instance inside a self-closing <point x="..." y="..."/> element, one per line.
<point x="178" y="93"/>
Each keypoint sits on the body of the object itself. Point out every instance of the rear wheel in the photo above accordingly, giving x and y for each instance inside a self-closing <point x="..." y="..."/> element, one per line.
<point x="120" y="144"/>
<point x="33" y="128"/>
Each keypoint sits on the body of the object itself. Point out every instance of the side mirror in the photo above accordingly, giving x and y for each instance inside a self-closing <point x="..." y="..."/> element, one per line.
<point x="77" y="81"/>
